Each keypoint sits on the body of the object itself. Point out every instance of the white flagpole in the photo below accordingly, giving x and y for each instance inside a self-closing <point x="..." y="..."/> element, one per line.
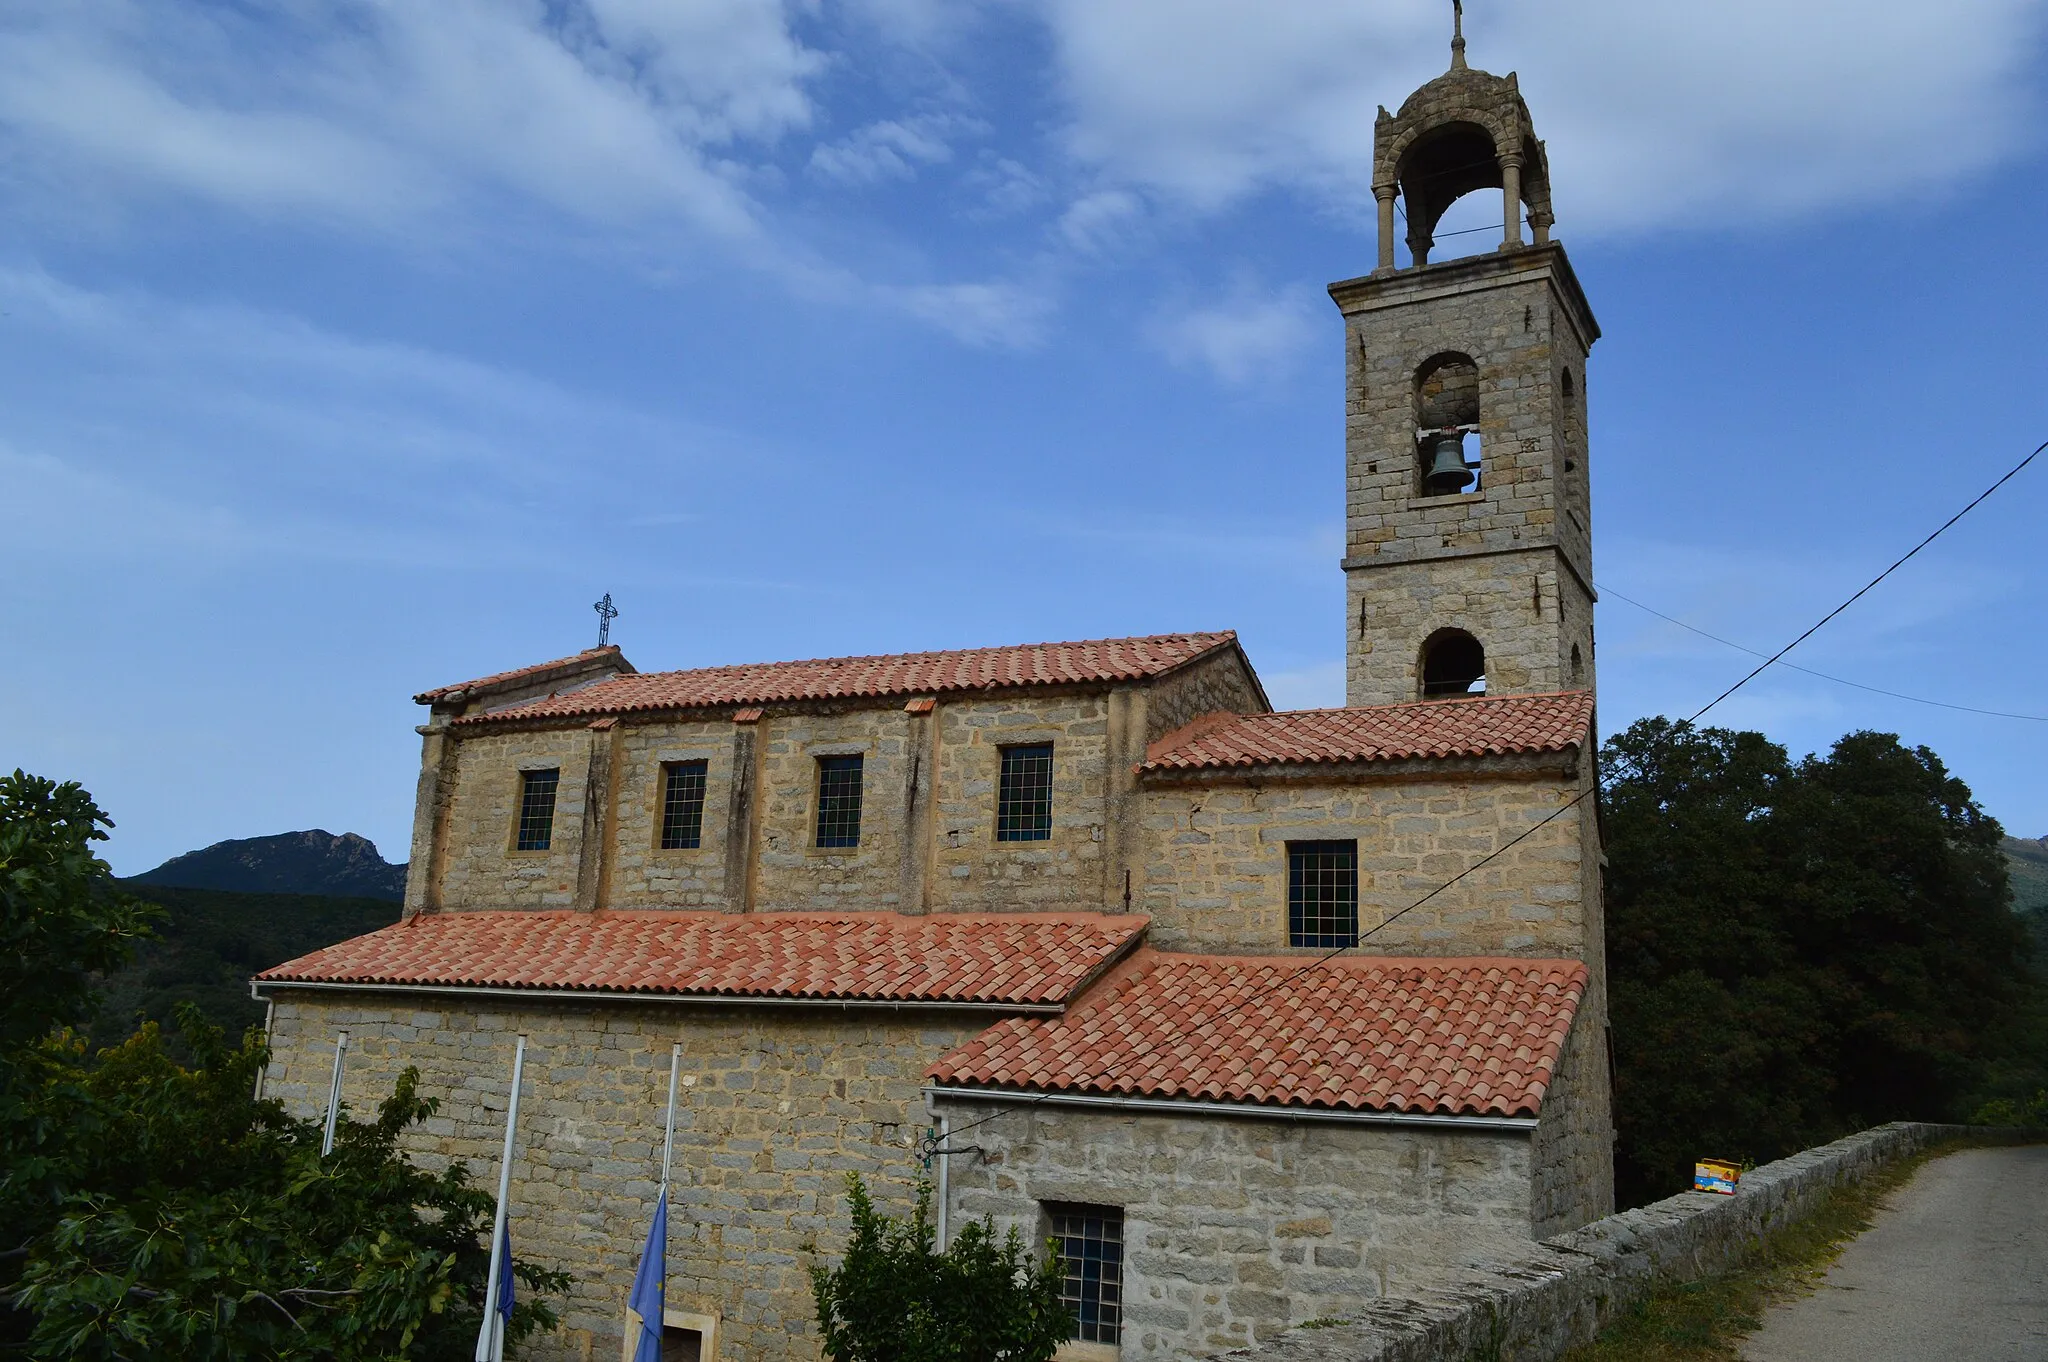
<point x="490" y="1340"/>
<point x="333" y="1095"/>
<point x="668" y="1134"/>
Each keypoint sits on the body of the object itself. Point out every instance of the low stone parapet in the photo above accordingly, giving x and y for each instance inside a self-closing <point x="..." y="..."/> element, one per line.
<point x="1561" y="1292"/>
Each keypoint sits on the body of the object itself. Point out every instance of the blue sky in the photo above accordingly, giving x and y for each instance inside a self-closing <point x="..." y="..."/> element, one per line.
<point x="351" y="348"/>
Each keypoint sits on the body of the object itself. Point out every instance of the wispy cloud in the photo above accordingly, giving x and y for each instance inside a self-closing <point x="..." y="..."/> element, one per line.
<point x="1247" y="335"/>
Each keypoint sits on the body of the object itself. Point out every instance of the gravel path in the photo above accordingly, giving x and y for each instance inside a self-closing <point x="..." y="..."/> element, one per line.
<point x="1955" y="1268"/>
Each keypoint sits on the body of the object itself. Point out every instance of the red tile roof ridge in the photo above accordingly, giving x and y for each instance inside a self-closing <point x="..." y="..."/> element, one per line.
<point x="1464" y="726"/>
<point x="428" y="697"/>
<point x="1077" y="661"/>
<point x="1002" y="959"/>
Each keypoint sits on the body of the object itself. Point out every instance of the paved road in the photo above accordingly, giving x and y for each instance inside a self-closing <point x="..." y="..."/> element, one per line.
<point x="1955" y="1270"/>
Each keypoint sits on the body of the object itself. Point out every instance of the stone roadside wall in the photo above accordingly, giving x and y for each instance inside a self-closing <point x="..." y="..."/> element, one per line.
<point x="1534" y="1304"/>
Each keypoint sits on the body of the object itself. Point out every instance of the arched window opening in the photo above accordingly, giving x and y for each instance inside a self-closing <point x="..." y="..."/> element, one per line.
<point x="1578" y="667"/>
<point x="1448" y="455"/>
<point x="1453" y="663"/>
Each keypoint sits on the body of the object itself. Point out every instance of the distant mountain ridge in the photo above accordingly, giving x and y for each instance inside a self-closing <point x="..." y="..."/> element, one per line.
<point x="2027" y="859"/>
<point x="311" y="862"/>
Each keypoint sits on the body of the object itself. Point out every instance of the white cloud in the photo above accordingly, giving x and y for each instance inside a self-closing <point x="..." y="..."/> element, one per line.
<point x="999" y="314"/>
<point x="892" y="149"/>
<point x="380" y="114"/>
<point x="1101" y="220"/>
<point x="1720" y="115"/>
<point x="1245" y="336"/>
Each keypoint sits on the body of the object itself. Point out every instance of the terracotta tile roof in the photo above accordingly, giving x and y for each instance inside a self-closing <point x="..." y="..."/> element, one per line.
<point x="1415" y="1035"/>
<point x="575" y="661"/>
<point x="1030" y="664"/>
<point x="1486" y="726"/>
<point x="980" y="957"/>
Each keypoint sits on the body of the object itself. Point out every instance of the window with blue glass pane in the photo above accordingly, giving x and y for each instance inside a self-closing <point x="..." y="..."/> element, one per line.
<point x="536" y="831"/>
<point x="1322" y="894"/>
<point x="1090" y="1240"/>
<point x="839" y="801"/>
<point x="1024" y="794"/>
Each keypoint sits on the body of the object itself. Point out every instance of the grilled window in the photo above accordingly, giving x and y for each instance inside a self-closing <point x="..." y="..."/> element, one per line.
<point x="1024" y="795"/>
<point x="839" y="801"/>
<point x="682" y="805"/>
<point x="536" y="810"/>
<point x="1090" y="1240"/>
<point x="1322" y="894"/>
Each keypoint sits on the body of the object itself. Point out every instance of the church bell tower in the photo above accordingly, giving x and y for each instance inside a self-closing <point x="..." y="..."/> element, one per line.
<point x="1468" y="529"/>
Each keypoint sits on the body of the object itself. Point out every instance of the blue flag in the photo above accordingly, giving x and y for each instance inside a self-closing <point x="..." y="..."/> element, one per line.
<point x="646" y="1302"/>
<point x="505" y="1275"/>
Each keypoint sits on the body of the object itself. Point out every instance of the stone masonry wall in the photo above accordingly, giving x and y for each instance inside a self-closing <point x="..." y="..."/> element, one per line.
<point x="643" y="875"/>
<point x="479" y="867"/>
<point x="778" y="1104"/>
<point x="1215" y="875"/>
<point x="1222" y="682"/>
<point x="970" y="869"/>
<point x="1235" y="1229"/>
<point x="1511" y="316"/>
<point x="790" y="869"/>
<point x="1533" y="1304"/>
<point x="1572" y="1153"/>
<point x="1525" y="611"/>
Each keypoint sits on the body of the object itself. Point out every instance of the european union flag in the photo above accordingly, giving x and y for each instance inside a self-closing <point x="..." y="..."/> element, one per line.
<point x="646" y="1302"/>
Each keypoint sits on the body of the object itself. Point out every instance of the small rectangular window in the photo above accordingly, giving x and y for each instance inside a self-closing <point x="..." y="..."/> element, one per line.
<point x="839" y="801"/>
<point x="1024" y="795"/>
<point x="1322" y="894"/>
<point x="682" y="805"/>
<point x="537" y="810"/>
<point x="1090" y="1240"/>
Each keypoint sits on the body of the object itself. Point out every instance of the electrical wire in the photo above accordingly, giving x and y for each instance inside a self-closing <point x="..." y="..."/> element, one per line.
<point x="1607" y="590"/>
<point x="1010" y="1109"/>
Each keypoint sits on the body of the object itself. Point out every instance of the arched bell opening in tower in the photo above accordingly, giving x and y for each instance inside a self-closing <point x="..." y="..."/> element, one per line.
<point x="1448" y="458"/>
<point x="1453" y="664"/>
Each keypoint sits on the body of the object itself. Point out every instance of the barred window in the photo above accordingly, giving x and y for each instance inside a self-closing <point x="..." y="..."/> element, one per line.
<point x="839" y="801"/>
<point x="1024" y="795"/>
<point x="1322" y="894"/>
<point x="1090" y="1240"/>
<point x="536" y="810"/>
<point x="682" y="805"/>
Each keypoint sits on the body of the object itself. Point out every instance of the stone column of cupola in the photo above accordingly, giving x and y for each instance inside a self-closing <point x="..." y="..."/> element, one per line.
<point x="1385" y="194"/>
<point x="1511" y="200"/>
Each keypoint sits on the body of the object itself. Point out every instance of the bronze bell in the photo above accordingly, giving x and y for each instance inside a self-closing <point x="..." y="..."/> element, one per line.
<point x="1448" y="471"/>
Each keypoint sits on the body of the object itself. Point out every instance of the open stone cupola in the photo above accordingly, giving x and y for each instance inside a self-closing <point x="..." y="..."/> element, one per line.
<point x="1464" y="131"/>
<point x="1468" y="544"/>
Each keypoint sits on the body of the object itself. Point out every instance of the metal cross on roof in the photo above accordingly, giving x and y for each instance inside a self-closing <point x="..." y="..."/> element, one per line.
<point x="606" y="613"/>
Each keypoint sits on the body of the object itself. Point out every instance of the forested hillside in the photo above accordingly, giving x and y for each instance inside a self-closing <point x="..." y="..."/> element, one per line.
<point x="210" y="941"/>
<point x="2028" y="862"/>
<point x="1799" y="949"/>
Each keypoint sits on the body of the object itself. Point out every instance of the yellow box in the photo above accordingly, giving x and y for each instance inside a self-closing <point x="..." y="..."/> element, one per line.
<point x="1716" y="1175"/>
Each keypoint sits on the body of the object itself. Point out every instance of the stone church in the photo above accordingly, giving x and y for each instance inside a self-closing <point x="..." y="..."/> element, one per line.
<point x="1257" y="1015"/>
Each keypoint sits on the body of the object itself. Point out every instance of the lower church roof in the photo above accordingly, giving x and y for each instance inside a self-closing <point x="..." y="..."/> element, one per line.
<point x="1487" y="726"/>
<point x="1016" y="959"/>
<point x="1447" y="1037"/>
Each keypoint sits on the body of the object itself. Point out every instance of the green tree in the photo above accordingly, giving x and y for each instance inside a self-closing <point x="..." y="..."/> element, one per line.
<point x="159" y="1210"/>
<point x="895" y="1298"/>
<point x="1795" y="949"/>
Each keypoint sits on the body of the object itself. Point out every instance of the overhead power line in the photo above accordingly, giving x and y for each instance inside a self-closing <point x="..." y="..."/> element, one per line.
<point x="1539" y="824"/>
<point x="1607" y="590"/>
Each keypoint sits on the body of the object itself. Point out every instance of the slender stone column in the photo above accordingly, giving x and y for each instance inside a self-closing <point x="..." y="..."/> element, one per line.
<point x="1385" y="194"/>
<point x="1510" y="201"/>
